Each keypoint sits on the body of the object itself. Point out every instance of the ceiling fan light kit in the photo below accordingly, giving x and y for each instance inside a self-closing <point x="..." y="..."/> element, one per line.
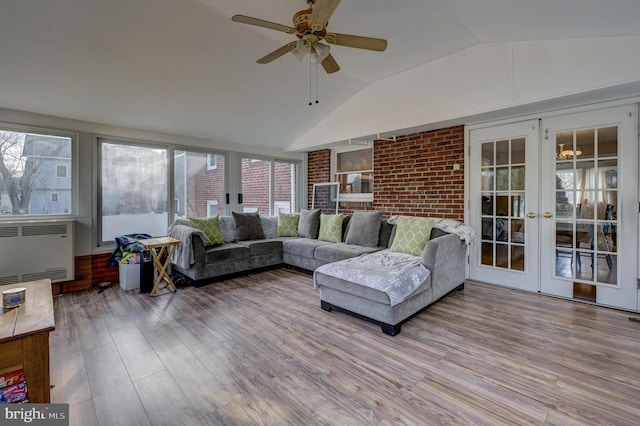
<point x="310" y="26"/>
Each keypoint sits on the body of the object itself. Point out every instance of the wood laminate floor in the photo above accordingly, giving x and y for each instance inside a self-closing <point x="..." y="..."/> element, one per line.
<point x="259" y="350"/>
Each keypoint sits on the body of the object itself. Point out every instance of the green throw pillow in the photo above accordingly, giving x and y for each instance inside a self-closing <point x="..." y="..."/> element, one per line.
<point x="287" y="225"/>
<point x="331" y="227"/>
<point x="211" y="228"/>
<point x="412" y="234"/>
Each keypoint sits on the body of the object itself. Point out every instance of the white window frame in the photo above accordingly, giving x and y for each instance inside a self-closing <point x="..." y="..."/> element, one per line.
<point x="74" y="168"/>
<point x="281" y="207"/>
<point x="297" y="193"/>
<point x="362" y="197"/>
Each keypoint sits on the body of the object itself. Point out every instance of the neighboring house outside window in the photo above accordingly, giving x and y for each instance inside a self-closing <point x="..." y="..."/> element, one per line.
<point x="34" y="167"/>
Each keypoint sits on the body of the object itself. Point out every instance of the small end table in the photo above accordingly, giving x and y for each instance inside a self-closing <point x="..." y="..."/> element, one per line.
<point x="165" y="244"/>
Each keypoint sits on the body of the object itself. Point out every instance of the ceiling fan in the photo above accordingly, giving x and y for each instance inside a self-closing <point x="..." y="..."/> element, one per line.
<point x="311" y="28"/>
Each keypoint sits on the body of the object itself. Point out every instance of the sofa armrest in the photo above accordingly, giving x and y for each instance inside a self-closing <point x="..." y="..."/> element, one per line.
<point x="198" y="249"/>
<point x="446" y="258"/>
<point x="191" y="249"/>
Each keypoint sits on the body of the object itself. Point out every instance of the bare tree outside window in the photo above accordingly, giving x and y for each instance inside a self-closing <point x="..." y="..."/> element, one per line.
<point x="28" y="173"/>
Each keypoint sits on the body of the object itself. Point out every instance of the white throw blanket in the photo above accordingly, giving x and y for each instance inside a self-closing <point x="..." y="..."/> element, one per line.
<point x="464" y="231"/>
<point x="396" y="274"/>
<point x="183" y="256"/>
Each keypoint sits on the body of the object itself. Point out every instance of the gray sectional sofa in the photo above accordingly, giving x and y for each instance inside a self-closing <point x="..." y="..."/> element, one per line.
<point x="444" y="256"/>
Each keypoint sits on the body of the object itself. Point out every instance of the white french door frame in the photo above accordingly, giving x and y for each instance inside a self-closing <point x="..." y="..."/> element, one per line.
<point x="624" y="293"/>
<point x="527" y="278"/>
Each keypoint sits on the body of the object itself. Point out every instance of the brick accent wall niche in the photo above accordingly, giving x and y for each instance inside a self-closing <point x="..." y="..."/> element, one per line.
<point x="413" y="175"/>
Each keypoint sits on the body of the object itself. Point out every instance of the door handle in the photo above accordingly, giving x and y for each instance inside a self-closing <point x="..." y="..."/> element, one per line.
<point x="531" y="215"/>
<point x="548" y="214"/>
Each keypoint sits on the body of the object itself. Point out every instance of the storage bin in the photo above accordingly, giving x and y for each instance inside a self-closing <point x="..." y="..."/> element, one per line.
<point x="129" y="275"/>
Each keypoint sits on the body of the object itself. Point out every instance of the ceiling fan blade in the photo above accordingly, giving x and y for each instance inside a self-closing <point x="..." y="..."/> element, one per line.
<point x="330" y="65"/>
<point x="322" y="11"/>
<point x="262" y="23"/>
<point x="277" y="53"/>
<point x="369" y="43"/>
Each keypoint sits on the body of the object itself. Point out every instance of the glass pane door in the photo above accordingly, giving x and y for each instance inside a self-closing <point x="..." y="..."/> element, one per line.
<point x="256" y="185"/>
<point x="504" y="212"/>
<point x="199" y="184"/>
<point x="589" y="181"/>
<point x="586" y="201"/>
<point x="285" y="188"/>
<point x="503" y="203"/>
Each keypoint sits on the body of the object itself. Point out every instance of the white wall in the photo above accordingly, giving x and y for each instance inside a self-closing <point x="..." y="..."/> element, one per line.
<point x="481" y="79"/>
<point x="85" y="242"/>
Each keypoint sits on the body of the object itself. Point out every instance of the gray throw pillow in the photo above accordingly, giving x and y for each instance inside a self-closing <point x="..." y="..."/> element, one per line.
<point x="248" y="226"/>
<point x="309" y="223"/>
<point x="364" y="228"/>
<point x="269" y="225"/>
<point x="228" y="229"/>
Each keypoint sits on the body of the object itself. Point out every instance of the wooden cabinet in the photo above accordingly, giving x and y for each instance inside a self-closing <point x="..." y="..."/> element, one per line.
<point x="24" y="337"/>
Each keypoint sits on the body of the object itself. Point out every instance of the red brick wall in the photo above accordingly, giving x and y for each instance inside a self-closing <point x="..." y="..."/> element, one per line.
<point x="413" y="175"/>
<point x="204" y="184"/>
<point x="319" y="170"/>
<point x="255" y="184"/>
<point x="282" y="187"/>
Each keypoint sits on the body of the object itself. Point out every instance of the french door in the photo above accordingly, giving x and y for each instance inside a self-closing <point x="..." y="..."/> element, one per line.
<point x="555" y="205"/>
<point x="503" y="204"/>
<point x="590" y="211"/>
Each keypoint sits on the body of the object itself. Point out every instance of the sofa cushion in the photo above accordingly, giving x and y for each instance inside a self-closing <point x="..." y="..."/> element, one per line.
<point x="348" y="287"/>
<point x="304" y="247"/>
<point x="341" y="251"/>
<point x="412" y="234"/>
<point x="228" y="251"/>
<point x="309" y="223"/>
<point x="330" y="227"/>
<point x="364" y="227"/>
<point x="261" y="247"/>
<point x="287" y="225"/>
<point x="248" y="226"/>
<point x="210" y="226"/>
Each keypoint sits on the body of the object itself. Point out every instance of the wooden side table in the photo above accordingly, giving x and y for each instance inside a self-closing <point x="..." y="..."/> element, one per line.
<point x="165" y="245"/>
<point x="24" y="337"/>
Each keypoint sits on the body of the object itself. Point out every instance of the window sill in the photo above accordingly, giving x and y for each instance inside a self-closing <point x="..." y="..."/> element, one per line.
<point x="361" y="198"/>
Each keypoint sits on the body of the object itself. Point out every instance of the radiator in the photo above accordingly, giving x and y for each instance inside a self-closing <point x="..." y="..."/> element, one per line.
<point x="36" y="249"/>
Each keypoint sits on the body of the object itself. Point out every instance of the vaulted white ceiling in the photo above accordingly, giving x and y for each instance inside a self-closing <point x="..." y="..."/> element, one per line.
<point x="183" y="67"/>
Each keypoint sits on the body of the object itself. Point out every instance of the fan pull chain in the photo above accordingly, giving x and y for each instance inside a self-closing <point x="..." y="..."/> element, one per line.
<point x="311" y="80"/>
<point x="310" y="77"/>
